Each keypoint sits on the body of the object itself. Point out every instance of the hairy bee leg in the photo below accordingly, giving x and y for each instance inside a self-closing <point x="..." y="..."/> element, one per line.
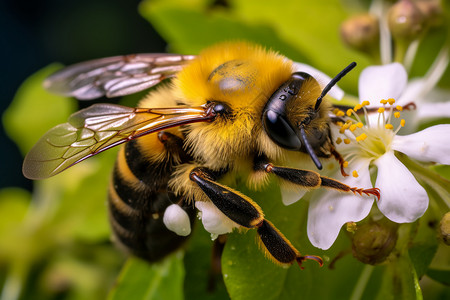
<point x="313" y="180"/>
<point x="245" y="212"/>
<point x="279" y="247"/>
<point x="236" y="206"/>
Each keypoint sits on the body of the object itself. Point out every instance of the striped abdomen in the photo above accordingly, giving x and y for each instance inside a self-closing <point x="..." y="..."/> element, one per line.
<point x="138" y="197"/>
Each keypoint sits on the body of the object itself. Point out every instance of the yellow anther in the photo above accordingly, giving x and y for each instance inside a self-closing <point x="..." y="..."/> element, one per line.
<point x="339" y="123"/>
<point x="340" y="113"/>
<point x="338" y="141"/>
<point x="397" y="114"/>
<point x="381" y="110"/>
<point x="355" y="174"/>
<point x="391" y="101"/>
<point x="383" y="101"/>
<point x="353" y="127"/>
<point x="351" y="227"/>
<point x="362" y="137"/>
<point x="349" y="112"/>
<point x="402" y="122"/>
<point x="349" y="122"/>
<point x="346" y="141"/>
<point x="360" y="125"/>
<point x="335" y="111"/>
<point x="365" y="103"/>
<point x="399" y="108"/>
<point x="357" y="107"/>
<point x="388" y="126"/>
<point x="345" y="164"/>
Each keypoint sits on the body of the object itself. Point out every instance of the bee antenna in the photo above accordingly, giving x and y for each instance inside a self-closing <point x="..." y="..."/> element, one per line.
<point x="309" y="148"/>
<point x="333" y="83"/>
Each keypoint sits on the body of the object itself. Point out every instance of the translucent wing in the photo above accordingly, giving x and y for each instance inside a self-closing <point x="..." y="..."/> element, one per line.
<point x="98" y="128"/>
<point x="115" y="76"/>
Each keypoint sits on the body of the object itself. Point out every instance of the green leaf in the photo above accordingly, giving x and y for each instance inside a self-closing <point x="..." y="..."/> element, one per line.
<point x="442" y="276"/>
<point x="423" y="247"/>
<point x="249" y="275"/>
<point x="13" y="208"/>
<point x="34" y="110"/>
<point x="141" y="280"/>
<point x="400" y="281"/>
<point x="188" y="28"/>
<point x="202" y="282"/>
<point x="302" y="24"/>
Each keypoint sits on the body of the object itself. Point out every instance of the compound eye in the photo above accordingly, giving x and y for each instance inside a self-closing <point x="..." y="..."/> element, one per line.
<point x="280" y="131"/>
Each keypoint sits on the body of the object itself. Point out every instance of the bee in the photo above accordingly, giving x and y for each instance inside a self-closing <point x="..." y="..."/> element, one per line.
<point x="236" y="110"/>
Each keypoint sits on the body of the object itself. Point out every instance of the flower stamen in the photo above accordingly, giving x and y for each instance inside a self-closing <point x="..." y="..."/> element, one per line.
<point x="361" y="137"/>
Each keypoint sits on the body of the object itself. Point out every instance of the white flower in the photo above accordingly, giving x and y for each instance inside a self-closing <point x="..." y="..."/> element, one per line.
<point x="421" y="94"/>
<point x="403" y="199"/>
<point x="177" y="220"/>
<point x="214" y="221"/>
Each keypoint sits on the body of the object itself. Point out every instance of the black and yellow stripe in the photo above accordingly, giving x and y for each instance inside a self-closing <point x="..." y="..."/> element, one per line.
<point x="138" y="196"/>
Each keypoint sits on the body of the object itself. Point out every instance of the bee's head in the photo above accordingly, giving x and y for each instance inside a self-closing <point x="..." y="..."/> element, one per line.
<point x="282" y="130"/>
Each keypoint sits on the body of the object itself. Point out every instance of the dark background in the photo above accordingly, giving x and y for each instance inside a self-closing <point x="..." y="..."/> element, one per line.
<point x="34" y="34"/>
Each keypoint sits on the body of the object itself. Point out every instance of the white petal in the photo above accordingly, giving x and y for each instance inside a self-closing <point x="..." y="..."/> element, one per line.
<point x="434" y="110"/>
<point x="411" y="92"/>
<point x="403" y="199"/>
<point x="333" y="209"/>
<point x="290" y="196"/>
<point x="430" y="144"/>
<point x="213" y="219"/>
<point x="382" y="82"/>
<point x="323" y="79"/>
<point x="177" y="220"/>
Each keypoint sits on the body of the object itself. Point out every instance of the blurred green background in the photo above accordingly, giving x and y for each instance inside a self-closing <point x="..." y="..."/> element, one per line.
<point x="34" y="34"/>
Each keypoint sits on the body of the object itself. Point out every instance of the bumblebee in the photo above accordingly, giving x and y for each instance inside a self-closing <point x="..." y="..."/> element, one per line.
<point x="236" y="110"/>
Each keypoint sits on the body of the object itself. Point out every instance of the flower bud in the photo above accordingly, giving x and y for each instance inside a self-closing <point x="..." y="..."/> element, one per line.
<point x="431" y="10"/>
<point x="444" y="229"/>
<point x="374" y="241"/>
<point x="405" y="20"/>
<point x="361" y="32"/>
<point x="177" y="220"/>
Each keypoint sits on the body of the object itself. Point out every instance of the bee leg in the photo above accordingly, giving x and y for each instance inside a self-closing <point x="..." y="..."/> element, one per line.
<point x="313" y="180"/>
<point x="245" y="212"/>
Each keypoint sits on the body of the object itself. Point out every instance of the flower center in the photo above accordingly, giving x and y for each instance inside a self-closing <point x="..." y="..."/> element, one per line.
<point x="372" y="138"/>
